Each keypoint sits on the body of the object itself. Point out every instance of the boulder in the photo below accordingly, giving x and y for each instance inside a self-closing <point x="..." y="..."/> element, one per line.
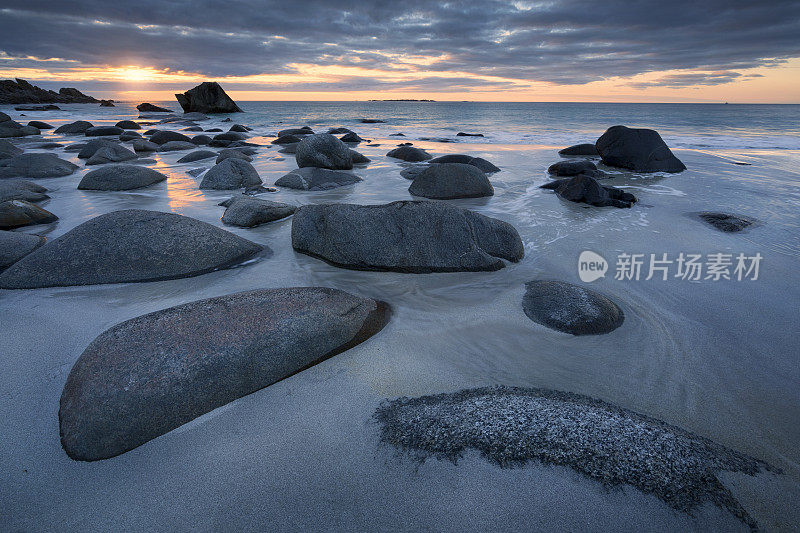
<point x="339" y="131"/>
<point x="230" y="174"/>
<point x="639" y="150"/>
<point x="128" y="125"/>
<point x="305" y="130"/>
<point x="239" y="128"/>
<point x="79" y="126"/>
<point x="129" y="246"/>
<point x="197" y="155"/>
<point x="48" y="145"/>
<point x="201" y="140"/>
<point x="287" y="139"/>
<point x="129" y="136"/>
<point x="316" y="179"/>
<point x="149" y="375"/>
<point x="351" y="137"/>
<point x="579" y="149"/>
<point x="9" y="150"/>
<point x="120" y="178"/>
<point x="98" y="131"/>
<point x="232" y="152"/>
<point x="409" y="153"/>
<point x="18" y="213"/>
<point x="174" y="146"/>
<point x="570" y="308"/>
<point x="193" y="128"/>
<point x="359" y="158"/>
<point x="15" y="245"/>
<point x="725" y="222"/>
<point x="323" y="150"/>
<point x="150" y="108"/>
<point x="208" y="97"/>
<point x="462" y="134"/>
<point x="247" y="211"/>
<point x="574" y="168"/>
<point x="479" y="162"/>
<point x="113" y="153"/>
<point x="141" y="145"/>
<point x="150" y="132"/>
<point x="16" y="189"/>
<point x="587" y="190"/>
<point x="165" y="136"/>
<point x="88" y="149"/>
<point x="447" y="181"/>
<point x="39" y="125"/>
<point x="107" y="103"/>
<point x="413" y="237"/>
<point x="230" y="136"/>
<point x="220" y="143"/>
<point x="28" y="130"/>
<point x="36" y="166"/>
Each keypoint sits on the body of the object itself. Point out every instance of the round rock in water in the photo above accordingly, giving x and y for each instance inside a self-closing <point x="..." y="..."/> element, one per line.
<point x="574" y="168"/>
<point x="149" y="375"/>
<point x="128" y="125"/>
<point x="570" y="308"/>
<point x="120" y="178"/>
<point x="163" y="137"/>
<point x="410" y="154"/>
<point x="479" y="162"/>
<point x="446" y="181"/>
<point x="323" y="150"/>
<point x="234" y="153"/>
<point x="88" y="149"/>
<point x="585" y="149"/>
<point x="174" y="146"/>
<point x="413" y="237"/>
<point x="129" y="246"/>
<point x="113" y="153"/>
<point x="725" y="221"/>
<point x="197" y="155"/>
<point x="230" y="174"/>
<point x="98" y="131"/>
<point x="37" y="166"/>
<point x="247" y="211"/>
<point x="16" y="189"/>
<point x="18" y="213"/>
<point x="316" y="179"/>
<point x="15" y="245"/>
<point x="141" y="145"/>
<point x="79" y="126"/>
<point x="640" y="150"/>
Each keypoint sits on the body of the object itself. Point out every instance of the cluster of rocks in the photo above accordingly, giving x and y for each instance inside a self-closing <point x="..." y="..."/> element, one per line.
<point x="12" y="128"/>
<point x="21" y="92"/>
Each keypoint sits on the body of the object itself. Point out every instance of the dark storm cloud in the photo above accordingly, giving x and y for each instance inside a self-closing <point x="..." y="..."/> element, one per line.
<point x="568" y="42"/>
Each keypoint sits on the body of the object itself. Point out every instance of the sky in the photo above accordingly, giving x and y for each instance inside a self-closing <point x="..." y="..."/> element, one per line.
<point x="488" y="50"/>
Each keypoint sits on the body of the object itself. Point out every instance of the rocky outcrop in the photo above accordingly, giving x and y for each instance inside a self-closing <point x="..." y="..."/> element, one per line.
<point x="129" y="246"/>
<point x="570" y="308"/>
<point x="247" y="211"/>
<point x="323" y="150"/>
<point x="149" y="375"/>
<point x="639" y="150"/>
<point x="316" y="179"/>
<point x="413" y="237"/>
<point x="585" y="189"/>
<point x="230" y="174"/>
<point x="120" y="178"/>
<point x="21" y="92"/>
<point x="446" y="181"/>
<point x="208" y="97"/>
<point x="18" y="213"/>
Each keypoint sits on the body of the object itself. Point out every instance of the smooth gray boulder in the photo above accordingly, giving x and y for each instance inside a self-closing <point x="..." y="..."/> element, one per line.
<point x="36" y="166"/>
<point x="585" y="189"/>
<point x="316" y="179"/>
<point x="201" y="140"/>
<point x="248" y="211"/>
<point x="208" y="97"/>
<point x="230" y="136"/>
<point x="128" y="125"/>
<point x="574" y="168"/>
<point x="234" y="153"/>
<point x="129" y="246"/>
<point x="305" y="130"/>
<point x="479" y="162"/>
<point x="165" y="136"/>
<point x="18" y="213"/>
<point x="39" y="125"/>
<point x="359" y="158"/>
<point x="140" y="145"/>
<point x="351" y="137"/>
<point x="130" y="136"/>
<point x="410" y="154"/>
<point x="197" y="155"/>
<point x="17" y="189"/>
<point x="15" y="245"/>
<point x="79" y="126"/>
<point x="323" y="150"/>
<point x="8" y="149"/>
<point x="147" y="107"/>
<point x="175" y="146"/>
<point x="120" y="178"/>
<point x="149" y="375"/>
<point x="88" y="149"/>
<point x="445" y="181"/>
<point x="99" y="131"/>
<point x="579" y="149"/>
<point x="230" y="174"/>
<point x="113" y="153"/>
<point x="413" y="237"/>
<point x="287" y="139"/>
<point x="639" y="150"/>
<point x="570" y="308"/>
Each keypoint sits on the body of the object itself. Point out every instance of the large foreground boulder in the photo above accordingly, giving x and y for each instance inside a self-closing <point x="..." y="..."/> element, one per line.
<point x="247" y="211"/>
<point x="446" y="181"/>
<point x="18" y="213"/>
<point x="316" y="179"/>
<point x="120" y="178"/>
<point x="323" y="150"/>
<point x="570" y="308"/>
<point x="415" y="237"/>
<point x="36" y="166"/>
<point x="129" y="246"/>
<point x="151" y="374"/>
<point x="640" y="150"/>
<point x="585" y="189"/>
<point x="231" y="174"/>
<point x="208" y="97"/>
<point x="14" y="246"/>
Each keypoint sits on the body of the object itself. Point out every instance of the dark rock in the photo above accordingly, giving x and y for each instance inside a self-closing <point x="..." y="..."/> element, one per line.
<point x="305" y="130"/>
<point x="147" y="376"/>
<point x="287" y="139"/>
<point x="208" y="97"/>
<point x="371" y="121"/>
<point x="462" y="134"/>
<point x="48" y="145"/>
<point x="725" y="222"/>
<point x="447" y="181"/>
<point x="570" y="308"/>
<point x="239" y="128"/>
<point x="316" y="179"/>
<point x="397" y="135"/>
<point x="40" y="125"/>
<point x="640" y="150"/>
<point x="409" y="153"/>
<point x="220" y="143"/>
<point x="120" y="178"/>
<point x="197" y="155"/>
<point x="98" y="131"/>
<point x="230" y="174"/>
<point x="247" y="211"/>
<point x="230" y="136"/>
<point x="579" y="149"/>
<point x="289" y="149"/>
<point x="413" y="171"/>
<point x="414" y="237"/>
<point x="193" y="128"/>
<point x="9" y="150"/>
<point x="128" y="125"/>
<point x="79" y="126"/>
<point x="359" y="158"/>
<point x="36" y="166"/>
<point x="113" y="153"/>
<point x="574" y="168"/>
<point x="17" y="189"/>
<point x="15" y="245"/>
<point x="144" y="146"/>
<point x="150" y="108"/>
<point x="28" y="130"/>
<point x="351" y="138"/>
<point x="129" y="246"/>
<point x="129" y="136"/>
<point x="107" y="103"/>
<point x="211" y="130"/>
<point x="258" y="189"/>
<point x="37" y="108"/>
<point x="232" y="152"/>
<point x="339" y="131"/>
<point x="150" y="132"/>
<point x="587" y="190"/>
<point x="165" y="136"/>
<point x="323" y="150"/>
<point x="194" y="172"/>
<point x="18" y="213"/>
<point x="479" y="162"/>
<point x="88" y="149"/>
<point x="201" y="140"/>
<point x="174" y="146"/>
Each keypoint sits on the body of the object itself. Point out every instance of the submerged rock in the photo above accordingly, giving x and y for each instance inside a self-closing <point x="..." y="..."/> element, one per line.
<point x="79" y="126"/>
<point x="351" y="137"/>
<point x="570" y="308"/>
<point x="414" y="237"/>
<point x="230" y="174"/>
<point x="208" y="97"/>
<point x="18" y="213"/>
<point x="287" y="139"/>
<point x="587" y="190"/>
<point x="316" y="179"/>
<point x="129" y="246"/>
<point x="446" y="181"/>
<point x="725" y="222"/>
<point x="323" y="150"/>
<point x="147" y="376"/>
<point x="410" y="154"/>
<point x="120" y="178"/>
<point x="247" y="211"/>
<point x="479" y="162"/>
<point x="36" y="166"/>
<point x="15" y="245"/>
<point x="112" y="153"/>
<point x="585" y="149"/>
<point x="574" y="168"/>
<point x="510" y="426"/>
<point x="462" y="134"/>
<point x="371" y="121"/>
<point x="640" y="150"/>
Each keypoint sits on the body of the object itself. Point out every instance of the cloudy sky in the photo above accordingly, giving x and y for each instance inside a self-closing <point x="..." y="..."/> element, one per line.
<point x="557" y="50"/>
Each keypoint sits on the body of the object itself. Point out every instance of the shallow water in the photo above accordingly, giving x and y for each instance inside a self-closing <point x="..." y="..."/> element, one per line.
<point x="719" y="358"/>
